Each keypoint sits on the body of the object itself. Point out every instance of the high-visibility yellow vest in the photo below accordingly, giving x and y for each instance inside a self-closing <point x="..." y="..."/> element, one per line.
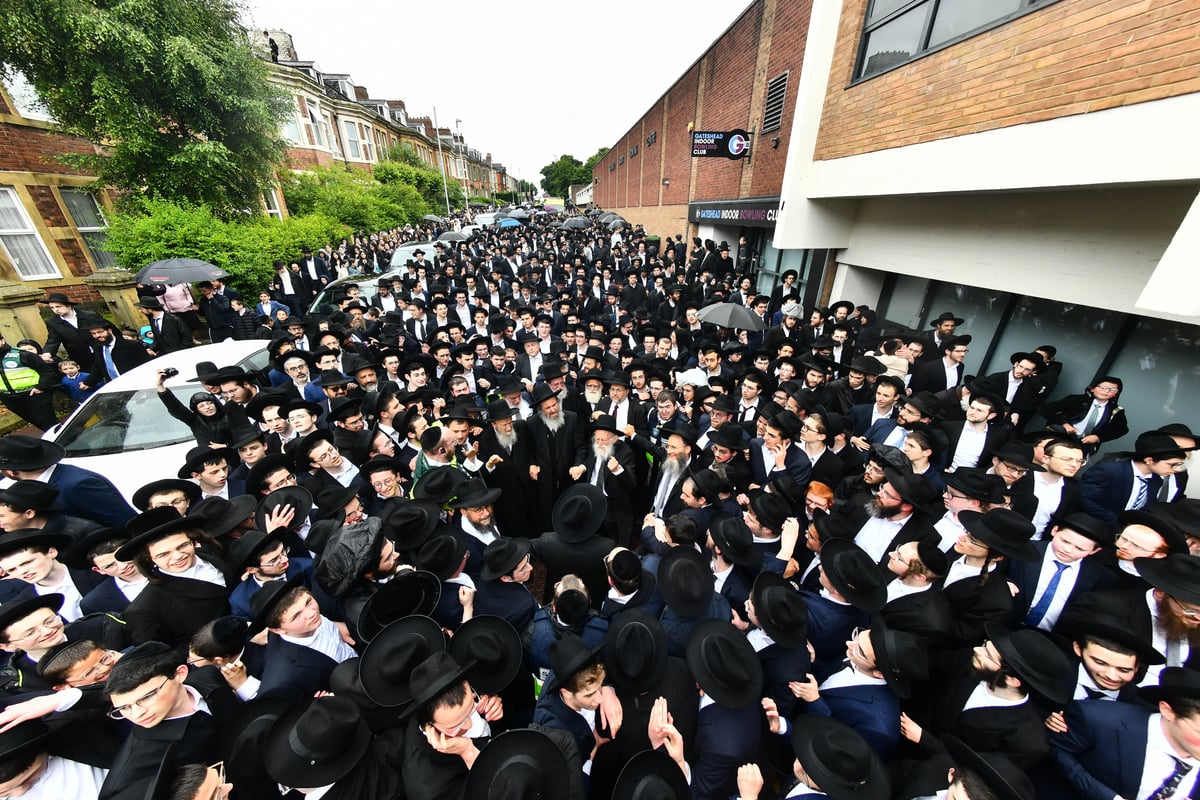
<point x="14" y="375"/>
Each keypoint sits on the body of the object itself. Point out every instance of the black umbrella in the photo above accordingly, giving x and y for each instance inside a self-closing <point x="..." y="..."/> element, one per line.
<point x="453" y="236"/>
<point x="607" y="217"/>
<point x="595" y="212"/>
<point x="179" y="270"/>
<point x="577" y="224"/>
<point x="617" y="224"/>
<point x="519" y="213"/>
<point x="431" y="218"/>
<point x="731" y="315"/>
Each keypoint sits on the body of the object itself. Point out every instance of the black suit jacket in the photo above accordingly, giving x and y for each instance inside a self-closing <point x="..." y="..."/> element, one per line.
<point x="1108" y="485"/>
<point x="997" y="434"/>
<point x="558" y="453"/>
<point x="77" y="341"/>
<point x="1024" y="574"/>
<point x="175" y="608"/>
<point x="1104" y="749"/>
<point x="931" y="377"/>
<point x="294" y="670"/>
<point x="585" y="559"/>
<point x="174" y="335"/>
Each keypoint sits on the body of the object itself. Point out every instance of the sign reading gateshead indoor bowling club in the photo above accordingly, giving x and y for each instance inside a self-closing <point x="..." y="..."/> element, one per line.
<point x="720" y="144"/>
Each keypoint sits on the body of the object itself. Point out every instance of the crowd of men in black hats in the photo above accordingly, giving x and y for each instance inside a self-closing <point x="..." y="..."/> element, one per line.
<point x="524" y="524"/>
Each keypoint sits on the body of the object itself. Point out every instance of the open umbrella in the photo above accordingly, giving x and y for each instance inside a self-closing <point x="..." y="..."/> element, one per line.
<point x="431" y="218"/>
<point x="617" y="224"/>
<point x="519" y="213"/>
<point x="595" y="212"/>
<point x="731" y="315"/>
<point x="607" y="217"/>
<point x="452" y="236"/>
<point x="179" y="270"/>
<point x="509" y="222"/>
<point x="499" y="215"/>
<point x="577" y="224"/>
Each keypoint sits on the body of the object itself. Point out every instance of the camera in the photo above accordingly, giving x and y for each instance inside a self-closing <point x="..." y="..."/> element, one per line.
<point x="169" y="372"/>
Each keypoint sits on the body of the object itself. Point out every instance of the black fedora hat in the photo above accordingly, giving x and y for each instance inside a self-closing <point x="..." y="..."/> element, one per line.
<point x="913" y="489"/>
<point x="144" y="531"/>
<point x="735" y="541"/>
<point x="1108" y="627"/>
<point x="729" y="436"/>
<point x="36" y="495"/>
<point x="1093" y="528"/>
<point x="974" y="483"/>
<point x="33" y="537"/>
<point x="635" y="649"/>
<point x="1177" y="575"/>
<point x="1155" y="445"/>
<point x="568" y="655"/>
<point x="998" y="772"/>
<point x="15" y="610"/>
<point x="605" y="422"/>
<point x="443" y="553"/>
<point x="1002" y="530"/>
<point x="889" y="457"/>
<point x="264" y="467"/>
<point x="268" y="597"/>
<point x="771" y="510"/>
<point x="946" y="316"/>
<point x="521" y="763"/>
<point x="439" y="485"/>
<point x="299" y="498"/>
<point x="28" y="453"/>
<point x="651" y="775"/>
<point x="489" y="649"/>
<point x="900" y="656"/>
<point x="839" y="760"/>
<point x="76" y="555"/>
<point x="502" y="556"/>
<point x="316" y="743"/>
<point x="141" y="498"/>
<point x="724" y="664"/>
<point x="924" y="402"/>
<point x="1018" y="453"/>
<point x="867" y="365"/>
<point x="1174" y="683"/>
<point x="854" y="574"/>
<point x="579" y="512"/>
<point x="244" y="551"/>
<point x="409" y="593"/>
<point x="409" y="523"/>
<point x="474" y="494"/>
<point x="686" y="581"/>
<point x="1034" y="658"/>
<point x="500" y="409"/>
<point x="264" y="400"/>
<point x="541" y="393"/>
<point x="22" y="738"/>
<point x="197" y="456"/>
<point x="218" y="517"/>
<point x="780" y="610"/>
<point x="389" y="658"/>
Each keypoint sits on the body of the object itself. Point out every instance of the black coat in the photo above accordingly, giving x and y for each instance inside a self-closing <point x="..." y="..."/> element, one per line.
<point x="174" y="609"/>
<point x="77" y="341"/>
<point x="585" y="559"/>
<point x="126" y="355"/>
<point x="174" y="334"/>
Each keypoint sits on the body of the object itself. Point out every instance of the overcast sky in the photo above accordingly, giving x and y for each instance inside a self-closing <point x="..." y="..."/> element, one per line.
<point x="530" y="80"/>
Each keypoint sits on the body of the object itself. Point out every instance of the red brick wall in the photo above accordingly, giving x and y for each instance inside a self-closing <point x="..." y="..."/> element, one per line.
<point x="1073" y="57"/>
<point x="25" y="149"/>
<point x="674" y="138"/>
<point x="76" y="258"/>
<point x="48" y="207"/>
<point x="788" y="36"/>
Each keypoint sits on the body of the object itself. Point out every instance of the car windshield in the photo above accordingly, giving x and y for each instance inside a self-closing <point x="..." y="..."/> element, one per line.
<point x="116" y="422"/>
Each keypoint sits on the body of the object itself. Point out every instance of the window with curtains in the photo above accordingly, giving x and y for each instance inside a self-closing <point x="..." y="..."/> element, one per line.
<point x="89" y="219"/>
<point x="20" y="242"/>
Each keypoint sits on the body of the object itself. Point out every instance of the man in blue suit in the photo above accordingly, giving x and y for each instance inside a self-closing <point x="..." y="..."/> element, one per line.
<point x="1064" y="569"/>
<point x="303" y="646"/>
<point x="854" y="588"/>
<point x="1113" y="749"/>
<point x="866" y="693"/>
<point x="1130" y="484"/>
<point x="81" y="492"/>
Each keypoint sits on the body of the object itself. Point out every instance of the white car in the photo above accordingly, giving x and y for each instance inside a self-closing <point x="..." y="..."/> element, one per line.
<point x="124" y="432"/>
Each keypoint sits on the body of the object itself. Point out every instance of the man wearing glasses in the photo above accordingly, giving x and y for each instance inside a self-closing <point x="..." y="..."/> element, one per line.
<point x="1056" y="490"/>
<point x="152" y="689"/>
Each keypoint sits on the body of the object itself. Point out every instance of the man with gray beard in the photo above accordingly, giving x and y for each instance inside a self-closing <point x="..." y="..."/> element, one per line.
<point x="559" y="449"/>
<point x="506" y="450"/>
<point x="612" y="469"/>
<point x="898" y="513"/>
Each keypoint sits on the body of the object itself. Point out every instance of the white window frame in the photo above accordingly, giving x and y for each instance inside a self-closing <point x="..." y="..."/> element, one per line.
<point x="29" y="230"/>
<point x="101" y="258"/>
<point x="350" y="136"/>
<point x="272" y="204"/>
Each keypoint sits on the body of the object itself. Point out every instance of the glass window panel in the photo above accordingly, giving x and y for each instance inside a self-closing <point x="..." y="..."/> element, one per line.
<point x="1082" y="335"/>
<point x="904" y="307"/>
<point x="84" y="209"/>
<point x="29" y="104"/>
<point x="895" y="42"/>
<point x="956" y="17"/>
<point x="881" y="8"/>
<point x="1160" y="368"/>
<point x="11" y="217"/>
<point x="95" y="243"/>
<point x="28" y="255"/>
<point x="981" y="310"/>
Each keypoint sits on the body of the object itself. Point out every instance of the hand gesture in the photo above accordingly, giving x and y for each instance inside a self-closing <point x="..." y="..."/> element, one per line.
<point x="749" y="781"/>
<point x="909" y="729"/>
<point x="280" y="517"/>
<point x="466" y="597"/>
<point x="613" y="465"/>
<point x="629" y="431"/>
<point x="772" y="712"/>
<point x="234" y="673"/>
<point x="612" y="714"/>
<point x="490" y="707"/>
<point x="576" y="472"/>
<point x="1056" y="722"/>
<point x="660" y="717"/>
<point x="494" y="462"/>
<point x="806" y="689"/>
<point x="36" y="708"/>
<point x="534" y="471"/>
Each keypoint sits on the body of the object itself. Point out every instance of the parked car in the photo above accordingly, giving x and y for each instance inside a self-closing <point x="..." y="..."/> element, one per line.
<point x="124" y="432"/>
<point x="367" y="284"/>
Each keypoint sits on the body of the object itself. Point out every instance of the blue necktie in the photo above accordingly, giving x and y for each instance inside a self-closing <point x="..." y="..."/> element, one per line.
<point x="108" y="363"/>
<point x="1043" y="604"/>
<point x="1143" y="493"/>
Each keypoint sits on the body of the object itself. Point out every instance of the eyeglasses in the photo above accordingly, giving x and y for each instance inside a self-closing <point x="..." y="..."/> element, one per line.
<point x="290" y="480"/>
<point x="107" y="660"/>
<point x="220" y="768"/>
<point x="1070" y="459"/>
<point x="950" y="493"/>
<point x="50" y="623"/>
<point x="275" y="562"/>
<point x="120" y="711"/>
<point x="1187" y="611"/>
<point x="1132" y="546"/>
<point x="328" y="455"/>
<point x="1014" y="468"/>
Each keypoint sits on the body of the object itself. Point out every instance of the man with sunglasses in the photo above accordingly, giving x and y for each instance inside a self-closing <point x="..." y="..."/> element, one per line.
<point x="167" y="705"/>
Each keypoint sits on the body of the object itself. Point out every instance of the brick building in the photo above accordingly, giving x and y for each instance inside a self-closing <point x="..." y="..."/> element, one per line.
<point x="1028" y="164"/>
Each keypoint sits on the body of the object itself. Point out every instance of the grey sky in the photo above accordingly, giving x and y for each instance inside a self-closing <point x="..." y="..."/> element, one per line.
<point x="538" y="79"/>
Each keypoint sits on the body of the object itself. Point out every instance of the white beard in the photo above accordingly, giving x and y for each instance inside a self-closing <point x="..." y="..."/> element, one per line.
<point x="593" y="397"/>
<point x="602" y="453"/>
<point x="507" y="440"/>
<point x="554" y="425"/>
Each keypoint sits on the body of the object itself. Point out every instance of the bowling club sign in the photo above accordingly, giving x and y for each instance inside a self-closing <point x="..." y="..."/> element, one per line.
<point x="733" y="145"/>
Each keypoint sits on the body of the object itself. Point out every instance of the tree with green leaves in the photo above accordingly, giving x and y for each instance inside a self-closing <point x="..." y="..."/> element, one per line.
<point x="558" y="175"/>
<point x="169" y="88"/>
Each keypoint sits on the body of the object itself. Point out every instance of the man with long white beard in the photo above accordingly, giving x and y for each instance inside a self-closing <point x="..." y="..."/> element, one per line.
<point x="506" y="450"/>
<point x="611" y="469"/>
<point x="559" y="448"/>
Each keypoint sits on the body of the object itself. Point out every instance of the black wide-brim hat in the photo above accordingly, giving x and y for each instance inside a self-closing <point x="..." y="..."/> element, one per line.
<point x="316" y="743"/>
<point x="946" y="316"/>
<point x="76" y="555"/>
<point x="854" y="574"/>
<point x="1103" y="626"/>
<point x="735" y="540"/>
<point x="439" y="484"/>
<point x="265" y="466"/>
<point x="145" y="538"/>
<point x="1002" y="530"/>
<point x="900" y="656"/>
<point x="635" y="649"/>
<point x="34" y="537"/>
<point x="1177" y="575"/>
<point x="297" y="497"/>
<point x="686" y="581"/>
<point x="579" y="512"/>
<point x="268" y="597"/>
<point x="475" y="494"/>
<point x="997" y="770"/>
<point x="412" y="592"/>
<point x="409" y="523"/>
<point x="443" y="552"/>
<point x="28" y="453"/>
<point x="651" y="775"/>
<point x="489" y="648"/>
<point x="218" y="516"/>
<point x="1035" y="659"/>
<point x="781" y="611"/>
<point x="389" y="658"/>
<point x="15" y="610"/>
<point x="839" y="760"/>
<point x="141" y="498"/>
<point x="724" y="663"/>
<point x="1173" y="537"/>
<point x="519" y="763"/>
<point x="1174" y="683"/>
<point x="197" y="456"/>
<point x="568" y="655"/>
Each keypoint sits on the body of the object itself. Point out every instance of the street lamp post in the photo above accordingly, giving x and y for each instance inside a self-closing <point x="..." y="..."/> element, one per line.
<point x="441" y="160"/>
